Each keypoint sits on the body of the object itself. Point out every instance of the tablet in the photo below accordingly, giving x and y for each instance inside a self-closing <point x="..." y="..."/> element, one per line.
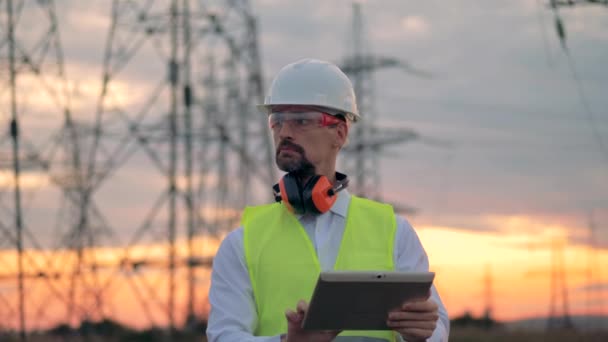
<point x="361" y="300"/>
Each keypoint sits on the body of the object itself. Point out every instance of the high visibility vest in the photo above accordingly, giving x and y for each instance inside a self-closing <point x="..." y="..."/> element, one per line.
<point x="283" y="265"/>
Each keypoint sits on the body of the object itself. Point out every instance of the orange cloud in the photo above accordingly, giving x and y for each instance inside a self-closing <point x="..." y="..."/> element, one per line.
<point x="138" y="283"/>
<point x="27" y="180"/>
<point x="520" y="265"/>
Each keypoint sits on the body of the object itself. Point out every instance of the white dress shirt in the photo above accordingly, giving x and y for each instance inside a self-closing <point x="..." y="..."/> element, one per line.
<point x="233" y="314"/>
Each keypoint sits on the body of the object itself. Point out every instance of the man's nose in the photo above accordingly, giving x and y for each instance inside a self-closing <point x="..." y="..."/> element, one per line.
<point x="285" y="130"/>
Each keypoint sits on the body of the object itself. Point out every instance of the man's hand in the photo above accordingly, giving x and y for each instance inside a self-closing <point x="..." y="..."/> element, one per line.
<point x="295" y="333"/>
<point x="415" y="320"/>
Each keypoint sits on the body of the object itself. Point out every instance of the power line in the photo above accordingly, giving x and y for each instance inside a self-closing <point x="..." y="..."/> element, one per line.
<point x="589" y="115"/>
<point x="543" y="32"/>
<point x="513" y="110"/>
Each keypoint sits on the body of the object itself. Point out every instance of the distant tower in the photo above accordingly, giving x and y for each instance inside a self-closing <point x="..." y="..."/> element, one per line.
<point x="488" y="295"/>
<point x="593" y="274"/>
<point x="361" y="158"/>
<point x="559" y="290"/>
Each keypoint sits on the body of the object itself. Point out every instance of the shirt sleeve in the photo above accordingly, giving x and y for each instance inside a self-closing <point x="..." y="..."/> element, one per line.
<point x="233" y="315"/>
<point x="409" y="255"/>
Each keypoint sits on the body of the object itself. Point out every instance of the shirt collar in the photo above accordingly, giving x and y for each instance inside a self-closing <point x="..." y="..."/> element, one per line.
<point x="340" y="207"/>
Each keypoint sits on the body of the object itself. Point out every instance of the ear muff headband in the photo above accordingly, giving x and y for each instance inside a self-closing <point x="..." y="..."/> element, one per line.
<point x="279" y="196"/>
<point x="316" y="196"/>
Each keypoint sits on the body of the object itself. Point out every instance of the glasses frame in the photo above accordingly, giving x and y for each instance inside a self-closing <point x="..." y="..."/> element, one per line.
<point x="326" y="120"/>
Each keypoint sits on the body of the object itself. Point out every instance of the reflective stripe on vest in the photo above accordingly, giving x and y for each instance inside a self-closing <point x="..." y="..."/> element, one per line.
<point x="283" y="265"/>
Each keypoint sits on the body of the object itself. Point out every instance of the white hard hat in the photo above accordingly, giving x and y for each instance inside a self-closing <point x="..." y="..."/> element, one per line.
<point x="312" y="82"/>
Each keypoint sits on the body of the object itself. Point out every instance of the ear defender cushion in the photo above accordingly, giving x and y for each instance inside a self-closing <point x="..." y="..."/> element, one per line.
<point x="316" y="195"/>
<point x="290" y="193"/>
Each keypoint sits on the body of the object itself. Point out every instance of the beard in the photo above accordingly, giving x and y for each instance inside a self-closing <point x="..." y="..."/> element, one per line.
<point x="299" y="166"/>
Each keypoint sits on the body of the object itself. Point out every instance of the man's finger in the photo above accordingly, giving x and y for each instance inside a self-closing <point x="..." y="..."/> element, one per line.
<point x="302" y="306"/>
<point x="428" y="305"/>
<point x="427" y="325"/>
<point x="291" y="316"/>
<point x="413" y="316"/>
<point x="415" y="300"/>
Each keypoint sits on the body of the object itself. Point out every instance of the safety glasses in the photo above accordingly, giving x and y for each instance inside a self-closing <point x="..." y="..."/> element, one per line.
<point x="302" y="121"/>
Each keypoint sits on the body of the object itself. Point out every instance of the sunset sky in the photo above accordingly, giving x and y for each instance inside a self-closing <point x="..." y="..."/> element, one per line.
<point x="521" y="176"/>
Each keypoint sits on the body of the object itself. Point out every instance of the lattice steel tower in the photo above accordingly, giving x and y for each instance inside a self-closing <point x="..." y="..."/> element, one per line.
<point x="198" y="125"/>
<point x="45" y="149"/>
<point x="362" y="154"/>
<point x="559" y="318"/>
<point x="174" y="128"/>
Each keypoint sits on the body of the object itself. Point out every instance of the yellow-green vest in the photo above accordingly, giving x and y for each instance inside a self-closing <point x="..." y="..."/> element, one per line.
<point x="283" y="265"/>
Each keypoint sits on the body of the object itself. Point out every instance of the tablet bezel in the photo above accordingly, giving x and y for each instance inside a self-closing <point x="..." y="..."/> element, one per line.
<point x="361" y="300"/>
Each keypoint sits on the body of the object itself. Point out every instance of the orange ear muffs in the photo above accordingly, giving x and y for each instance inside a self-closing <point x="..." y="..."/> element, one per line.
<point x="315" y="197"/>
<point x="289" y="188"/>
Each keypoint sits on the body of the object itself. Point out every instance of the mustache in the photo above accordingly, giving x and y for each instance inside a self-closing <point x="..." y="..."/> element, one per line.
<point x="286" y="143"/>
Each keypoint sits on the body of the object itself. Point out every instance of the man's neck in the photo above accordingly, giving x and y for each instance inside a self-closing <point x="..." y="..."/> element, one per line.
<point x="327" y="171"/>
<point x="331" y="177"/>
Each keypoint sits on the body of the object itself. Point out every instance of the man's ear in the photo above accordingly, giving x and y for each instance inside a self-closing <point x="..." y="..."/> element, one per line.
<point x="341" y="135"/>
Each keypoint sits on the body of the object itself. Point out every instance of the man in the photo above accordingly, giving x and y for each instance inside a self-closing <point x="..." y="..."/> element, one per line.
<point x="265" y="271"/>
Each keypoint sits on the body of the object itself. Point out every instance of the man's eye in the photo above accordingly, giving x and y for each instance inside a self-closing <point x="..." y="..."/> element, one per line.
<point x="302" y="122"/>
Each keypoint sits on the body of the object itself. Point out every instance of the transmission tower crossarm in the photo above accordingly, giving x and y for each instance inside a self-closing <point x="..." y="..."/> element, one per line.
<point x="370" y="63"/>
<point x="572" y="3"/>
<point x="367" y="63"/>
<point x="381" y="138"/>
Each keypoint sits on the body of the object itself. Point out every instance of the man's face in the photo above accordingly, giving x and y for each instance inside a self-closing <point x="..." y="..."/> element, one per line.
<point x="291" y="157"/>
<point x="305" y="139"/>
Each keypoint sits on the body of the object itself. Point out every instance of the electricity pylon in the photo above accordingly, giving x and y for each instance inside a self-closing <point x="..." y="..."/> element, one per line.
<point x="196" y="129"/>
<point x="362" y="154"/>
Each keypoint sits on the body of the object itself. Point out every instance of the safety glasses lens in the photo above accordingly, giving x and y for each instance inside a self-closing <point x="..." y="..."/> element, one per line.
<point x="297" y="120"/>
